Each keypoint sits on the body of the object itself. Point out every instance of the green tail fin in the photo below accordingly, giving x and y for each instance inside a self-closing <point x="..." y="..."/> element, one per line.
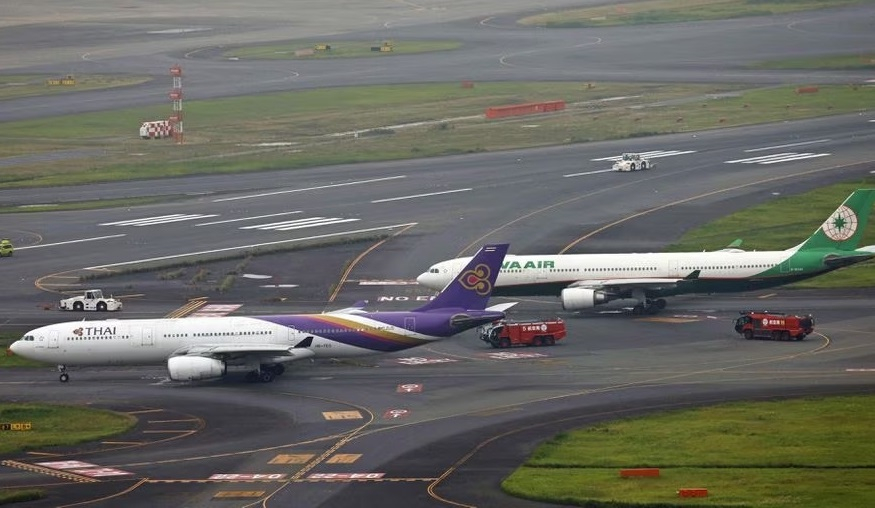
<point x="844" y="228"/>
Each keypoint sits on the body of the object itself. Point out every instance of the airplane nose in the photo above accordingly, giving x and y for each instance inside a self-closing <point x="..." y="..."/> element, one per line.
<point x="423" y="277"/>
<point x="12" y="349"/>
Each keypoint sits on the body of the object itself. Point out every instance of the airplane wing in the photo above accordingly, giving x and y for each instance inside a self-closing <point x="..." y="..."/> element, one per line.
<point x="277" y="353"/>
<point x="619" y="285"/>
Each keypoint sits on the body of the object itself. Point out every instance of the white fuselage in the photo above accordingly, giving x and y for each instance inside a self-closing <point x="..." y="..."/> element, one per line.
<point x="535" y="269"/>
<point x="152" y="341"/>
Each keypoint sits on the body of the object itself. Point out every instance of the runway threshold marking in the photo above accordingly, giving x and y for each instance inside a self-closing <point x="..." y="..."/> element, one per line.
<point x="34" y="468"/>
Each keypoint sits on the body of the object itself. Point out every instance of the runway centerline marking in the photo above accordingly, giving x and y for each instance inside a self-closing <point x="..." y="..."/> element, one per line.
<point x="414" y="196"/>
<point x="96" y="238"/>
<point x="609" y="170"/>
<point x="247" y="218"/>
<point x="318" y="187"/>
<point x="778" y="147"/>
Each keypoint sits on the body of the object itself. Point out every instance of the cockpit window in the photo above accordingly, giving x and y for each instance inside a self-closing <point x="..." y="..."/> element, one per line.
<point x="28" y="338"/>
<point x="433" y="270"/>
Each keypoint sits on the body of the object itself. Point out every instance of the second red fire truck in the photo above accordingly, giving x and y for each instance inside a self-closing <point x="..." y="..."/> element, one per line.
<point x="772" y="325"/>
<point x="504" y="334"/>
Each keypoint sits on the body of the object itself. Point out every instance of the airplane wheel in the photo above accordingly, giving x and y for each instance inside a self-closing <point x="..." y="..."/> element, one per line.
<point x="266" y="376"/>
<point x="65" y="377"/>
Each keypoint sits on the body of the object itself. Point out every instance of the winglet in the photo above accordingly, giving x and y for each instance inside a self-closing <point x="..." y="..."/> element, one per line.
<point x="471" y="289"/>
<point x="304" y="343"/>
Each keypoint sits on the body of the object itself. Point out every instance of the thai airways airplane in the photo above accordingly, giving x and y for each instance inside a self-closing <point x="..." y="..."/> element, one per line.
<point x="203" y="348"/>
<point x="583" y="281"/>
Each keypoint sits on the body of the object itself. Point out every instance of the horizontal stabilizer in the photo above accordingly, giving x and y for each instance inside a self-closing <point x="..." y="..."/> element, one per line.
<point x="838" y="261"/>
<point x="501" y="307"/>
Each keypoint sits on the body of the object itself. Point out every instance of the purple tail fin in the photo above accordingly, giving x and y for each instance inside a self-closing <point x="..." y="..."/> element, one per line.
<point x="470" y="290"/>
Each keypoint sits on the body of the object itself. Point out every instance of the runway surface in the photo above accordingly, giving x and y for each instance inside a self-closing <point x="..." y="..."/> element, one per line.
<point x="442" y="425"/>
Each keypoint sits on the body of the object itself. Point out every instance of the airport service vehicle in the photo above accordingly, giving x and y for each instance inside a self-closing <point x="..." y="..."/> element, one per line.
<point x="503" y="334"/>
<point x="632" y="162"/>
<point x="198" y="348"/>
<point x="6" y="248"/>
<point x="584" y="281"/>
<point x="92" y="299"/>
<point x="773" y="325"/>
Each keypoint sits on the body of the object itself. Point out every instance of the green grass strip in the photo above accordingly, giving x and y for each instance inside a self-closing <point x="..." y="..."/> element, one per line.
<point x="803" y="453"/>
<point x="676" y="11"/>
<point x="53" y="425"/>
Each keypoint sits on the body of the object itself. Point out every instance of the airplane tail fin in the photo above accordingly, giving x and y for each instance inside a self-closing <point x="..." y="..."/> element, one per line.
<point x="845" y="227"/>
<point x="471" y="289"/>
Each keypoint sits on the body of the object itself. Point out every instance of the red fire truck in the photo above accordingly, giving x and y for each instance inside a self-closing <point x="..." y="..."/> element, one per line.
<point x="503" y="333"/>
<point x="773" y="325"/>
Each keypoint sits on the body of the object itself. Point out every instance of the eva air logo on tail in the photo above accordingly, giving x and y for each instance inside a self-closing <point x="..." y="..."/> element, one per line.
<point x="842" y="225"/>
<point x="477" y="280"/>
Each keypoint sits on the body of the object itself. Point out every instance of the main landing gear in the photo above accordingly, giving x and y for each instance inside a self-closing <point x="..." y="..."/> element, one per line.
<point x="64" y="377"/>
<point x="648" y="306"/>
<point x="265" y="373"/>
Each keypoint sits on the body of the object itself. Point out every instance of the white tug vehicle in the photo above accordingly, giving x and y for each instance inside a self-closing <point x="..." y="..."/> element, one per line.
<point x="632" y="162"/>
<point x="92" y="300"/>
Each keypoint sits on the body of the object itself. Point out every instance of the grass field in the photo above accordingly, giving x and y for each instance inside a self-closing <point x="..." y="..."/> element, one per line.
<point x="783" y="223"/>
<point x="804" y="453"/>
<point x="53" y="425"/>
<point x="676" y="11"/>
<point x="318" y="127"/>
<point x="306" y="50"/>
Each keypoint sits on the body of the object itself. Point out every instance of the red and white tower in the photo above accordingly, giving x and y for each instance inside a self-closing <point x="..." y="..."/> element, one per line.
<point x="176" y="97"/>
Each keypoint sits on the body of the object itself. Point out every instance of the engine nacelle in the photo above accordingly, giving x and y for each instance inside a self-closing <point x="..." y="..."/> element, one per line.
<point x="582" y="298"/>
<point x="193" y="368"/>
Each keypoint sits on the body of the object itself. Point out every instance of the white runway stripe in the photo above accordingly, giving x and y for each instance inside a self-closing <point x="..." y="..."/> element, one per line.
<point x="649" y="155"/>
<point x="775" y="158"/>
<point x="309" y="222"/>
<point x="161" y="219"/>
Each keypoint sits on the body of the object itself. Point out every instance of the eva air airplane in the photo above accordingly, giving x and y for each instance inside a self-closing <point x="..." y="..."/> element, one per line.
<point x="583" y="281"/>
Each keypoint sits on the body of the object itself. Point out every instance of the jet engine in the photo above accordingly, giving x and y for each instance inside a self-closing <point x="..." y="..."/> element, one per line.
<point x="193" y="368"/>
<point x="582" y="298"/>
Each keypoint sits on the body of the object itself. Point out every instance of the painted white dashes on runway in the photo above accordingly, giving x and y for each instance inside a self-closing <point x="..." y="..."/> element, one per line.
<point x="309" y="222"/>
<point x="161" y="219"/>
<point x="776" y="158"/>
<point x="650" y="155"/>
